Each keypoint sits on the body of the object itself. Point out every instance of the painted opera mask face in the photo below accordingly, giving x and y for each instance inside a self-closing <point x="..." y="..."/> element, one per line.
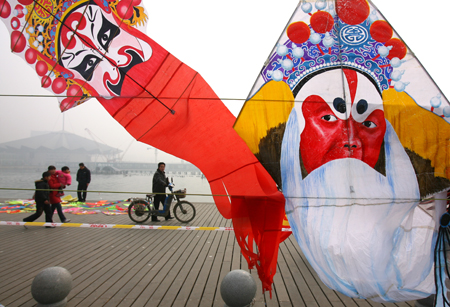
<point x="101" y="53"/>
<point x="345" y="121"/>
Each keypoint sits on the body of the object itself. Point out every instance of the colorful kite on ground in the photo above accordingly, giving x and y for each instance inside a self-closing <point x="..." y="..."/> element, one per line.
<point x="355" y="132"/>
<point x="85" y="49"/>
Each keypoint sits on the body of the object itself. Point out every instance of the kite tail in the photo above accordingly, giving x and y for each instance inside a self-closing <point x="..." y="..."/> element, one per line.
<point x="257" y="222"/>
<point x="441" y="265"/>
<point x="256" y="208"/>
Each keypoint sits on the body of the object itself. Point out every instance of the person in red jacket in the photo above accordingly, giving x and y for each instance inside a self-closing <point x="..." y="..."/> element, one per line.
<point x="55" y="200"/>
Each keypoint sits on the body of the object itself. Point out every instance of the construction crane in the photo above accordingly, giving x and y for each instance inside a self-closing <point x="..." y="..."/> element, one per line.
<point x="126" y="149"/>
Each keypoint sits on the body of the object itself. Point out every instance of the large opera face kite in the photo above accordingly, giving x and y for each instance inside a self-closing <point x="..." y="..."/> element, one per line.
<point x="355" y="132"/>
<point x="92" y="48"/>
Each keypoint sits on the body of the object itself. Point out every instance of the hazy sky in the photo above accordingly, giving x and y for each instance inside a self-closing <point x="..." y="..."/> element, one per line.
<point x="227" y="42"/>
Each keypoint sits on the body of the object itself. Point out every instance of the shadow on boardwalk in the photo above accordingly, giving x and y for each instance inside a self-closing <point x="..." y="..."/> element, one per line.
<point x="129" y="267"/>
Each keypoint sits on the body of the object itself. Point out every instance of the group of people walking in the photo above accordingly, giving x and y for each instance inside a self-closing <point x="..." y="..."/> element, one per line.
<point x="49" y="190"/>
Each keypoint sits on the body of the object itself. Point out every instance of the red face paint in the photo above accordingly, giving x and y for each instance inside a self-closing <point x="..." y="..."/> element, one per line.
<point x="326" y="137"/>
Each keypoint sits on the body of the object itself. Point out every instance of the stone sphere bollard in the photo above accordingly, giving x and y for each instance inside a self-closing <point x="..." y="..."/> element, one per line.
<point x="238" y="288"/>
<point x="51" y="287"/>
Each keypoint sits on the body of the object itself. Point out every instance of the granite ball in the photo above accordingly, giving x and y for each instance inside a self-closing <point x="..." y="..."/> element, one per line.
<point x="238" y="288"/>
<point x="51" y="286"/>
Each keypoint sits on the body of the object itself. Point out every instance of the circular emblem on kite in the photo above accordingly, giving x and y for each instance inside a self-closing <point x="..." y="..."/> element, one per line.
<point x="354" y="35"/>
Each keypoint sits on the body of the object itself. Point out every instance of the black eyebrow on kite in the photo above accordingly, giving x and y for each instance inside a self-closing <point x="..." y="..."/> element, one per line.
<point x="91" y="16"/>
<point x="69" y="55"/>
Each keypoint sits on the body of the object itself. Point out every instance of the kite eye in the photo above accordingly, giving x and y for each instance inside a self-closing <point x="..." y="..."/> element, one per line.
<point x="105" y="37"/>
<point x="87" y="66"/>
<point x="107" y="33"/>
<point x="339" y="105"/>
<point x="329" y="118"/>
<point x="362" y="106"/>
<point x="369" y="124"/>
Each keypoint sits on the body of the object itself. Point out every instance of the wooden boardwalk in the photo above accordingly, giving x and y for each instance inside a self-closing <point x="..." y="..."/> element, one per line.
<point x="129" y="267"/>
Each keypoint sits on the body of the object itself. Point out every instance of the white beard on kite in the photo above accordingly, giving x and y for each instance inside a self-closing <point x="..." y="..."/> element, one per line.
<point x="347" y="229"/>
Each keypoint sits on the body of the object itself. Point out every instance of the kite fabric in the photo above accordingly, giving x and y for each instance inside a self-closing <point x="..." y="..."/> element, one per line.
<point x="355" y="133"/>
<point x="94" y="48"/>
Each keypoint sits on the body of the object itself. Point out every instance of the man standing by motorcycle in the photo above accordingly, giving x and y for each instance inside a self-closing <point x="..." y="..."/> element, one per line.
<point x="160" y="182"/>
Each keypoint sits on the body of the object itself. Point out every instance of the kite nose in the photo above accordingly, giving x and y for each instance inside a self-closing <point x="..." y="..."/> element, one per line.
<point x="353" y="143"/>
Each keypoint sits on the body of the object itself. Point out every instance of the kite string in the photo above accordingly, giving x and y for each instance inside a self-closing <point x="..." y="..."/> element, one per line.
<point x="162" y="97"/>
<point x="387" y="200"/>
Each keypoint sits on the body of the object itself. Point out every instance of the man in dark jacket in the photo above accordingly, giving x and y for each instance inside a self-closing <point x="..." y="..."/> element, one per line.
<point x="83" y="178"/>
<point x="42" y="198"/>
<point x="160" y="182"/>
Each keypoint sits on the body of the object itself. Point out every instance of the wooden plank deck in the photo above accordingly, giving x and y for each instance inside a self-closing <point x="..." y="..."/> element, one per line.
<point x="128" y="267"/>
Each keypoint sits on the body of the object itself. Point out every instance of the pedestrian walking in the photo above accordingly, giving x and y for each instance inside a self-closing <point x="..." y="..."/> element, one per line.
<point x="42" y="199"/>
<point x="55" y="199"/>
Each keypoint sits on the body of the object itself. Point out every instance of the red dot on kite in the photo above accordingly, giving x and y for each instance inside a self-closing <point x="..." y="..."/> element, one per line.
<point x="59" y="85"/>
<point x="41" y="68"/>
<point x="19" y="9"/>
<point x="125" y="9"/>
<point x="5" y="9"/>
<point x="74" y="90"/>
<point x="15" y="23"/>
<point x="381" y="31"/>
<point x="18" y="41"/>
<point x="46" y="81"/>
<point x="136" y="2"/>
<point x="398" y="49"/>
<point x="353" y="12"/>
<point x="25" y="2"/>
<point x="30" y="56"/>
<point x="322" y="22"/>
<point x="298" y="32"/>
<point x="67" y="104"/>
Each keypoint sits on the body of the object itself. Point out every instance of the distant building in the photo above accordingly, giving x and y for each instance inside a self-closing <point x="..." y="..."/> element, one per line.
<point x="56" y="148"/>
